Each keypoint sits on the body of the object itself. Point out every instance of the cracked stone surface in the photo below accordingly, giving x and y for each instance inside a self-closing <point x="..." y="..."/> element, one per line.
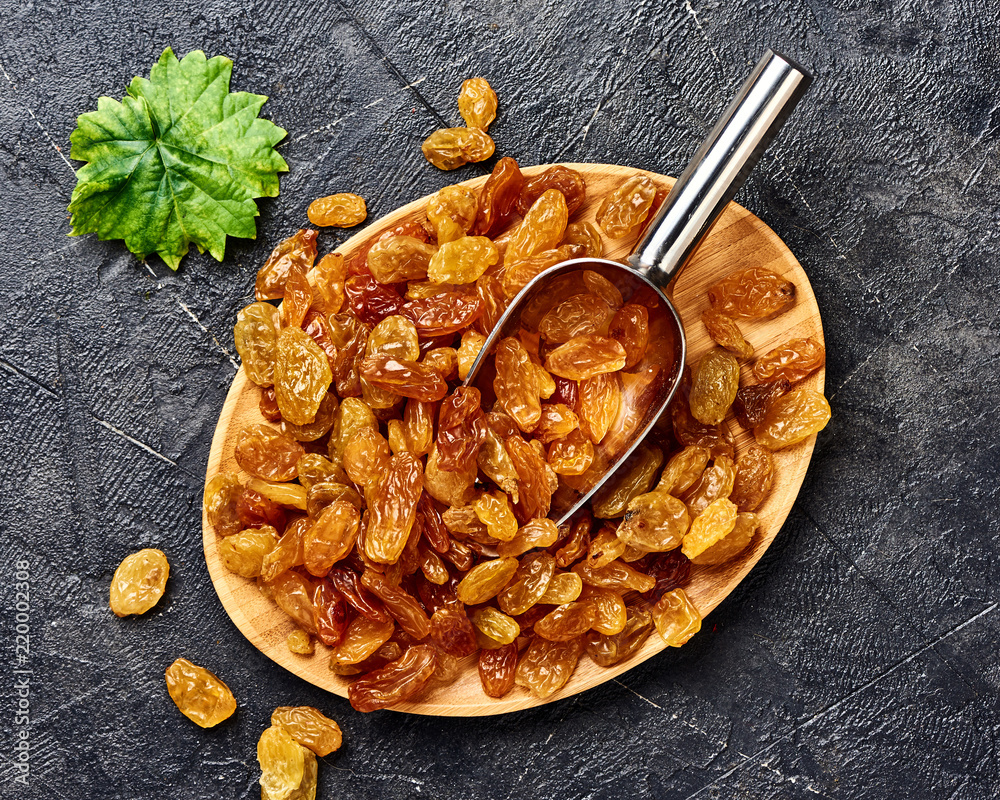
<point x="858" y="660"/>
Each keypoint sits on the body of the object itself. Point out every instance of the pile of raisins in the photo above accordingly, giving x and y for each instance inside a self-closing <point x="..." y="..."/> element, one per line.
<point x="400" y="519"/>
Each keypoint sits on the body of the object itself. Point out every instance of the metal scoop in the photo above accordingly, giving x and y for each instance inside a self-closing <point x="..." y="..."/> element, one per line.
<point x="715" y="173"/>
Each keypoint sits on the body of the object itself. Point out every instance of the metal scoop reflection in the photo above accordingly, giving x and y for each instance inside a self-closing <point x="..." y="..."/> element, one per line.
<point x="717" y="170"/>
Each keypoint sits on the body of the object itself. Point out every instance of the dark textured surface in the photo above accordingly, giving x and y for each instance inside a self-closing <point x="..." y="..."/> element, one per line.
<point x="857" y="661"/>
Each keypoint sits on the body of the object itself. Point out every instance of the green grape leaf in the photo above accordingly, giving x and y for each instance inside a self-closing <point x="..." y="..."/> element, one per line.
<point x="179" y="161"/>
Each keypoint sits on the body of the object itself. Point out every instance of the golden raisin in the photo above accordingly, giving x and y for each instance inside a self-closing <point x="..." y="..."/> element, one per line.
<point x="452" y="211"/>
<point x="754" y="476"/>
<point x="517" y="384"/>
<point x="497" y="198"/>
<point x="267" y="453"/>
<point x="654" y="522"/>
<point x="496" y="669"/>
<point x="623" y="210"/>
<point x="598" y="404"/>
<point x="463" y="260"/>
<point x="606" y="651"/>
<point x="546" y="666"/>
<point x="397" y="681"/>
<point x="793" y="417"/>
<point x="676" y="618"/>
<point x="300" y="643"/>
<point x="302" y="376"/>
<point x="344" y="210"/>
<point x="714" y="382"/>
<point x="710" y="526"/>
<point x="139" y="582"/>
<point x="282" y="763"/>
<point x="485" y="581"/>
<point x="571" y="455"/>
<point x="752" y="402"/>
<point x="578" y="315"/>
<point x="630" y="327"/>
<point x="477" y="103"/>
<point x="568" y="182"/>
<point x="714" y="483"/>
<point x="297" y="252"/>
<point x="586" y="356"/>
<point x="631" y="479"/>
<point x="542" y="228"/>
<point x="586" y="235"/>
<point x="309" y="727"/>
<point x="256" y="337"/>
<point x="244" y="553"/>
<point x="726" y="333"/>
<point x="450" y="148"/>
<point x="494" y="511"/>
<point x="400" y="258"/>
<point x="733" y="543"/>
<point x="199" y="694"/>
<point x="752" y="293"/>
<point x="793" y="361"/>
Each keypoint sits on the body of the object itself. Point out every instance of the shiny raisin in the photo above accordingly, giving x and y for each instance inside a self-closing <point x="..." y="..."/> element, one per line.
<point x="792" y="361"/>
<point x="343" y="210"/>
<point x="586" y="356"/>
<point x="752" y="293"/>
<point x="463" y="260"/>
<point x="676" y="618"/>
<point x="726" y="333"/>
<point x="546" y="666"/>
<point x="608" y="650"/>
<point x="733" y="543"/>
<point x="567" y="181"/>
<point x="714" y="382"/>
<point x="309" y="727"/>
<point x="393" y="508"/>
<point x="267" y="453"/>
<point x="139" y="582"/>
<point x="331" y="537"/>
<point x="792" y="418"/>
<point x="598" y="404"/>
<point x="302" y="376"/>
<point x="477" y="103"/>
<point x="297" y="252"/>
<point x="400" y="258"/>
<point x="497" y="198"/>
<point x="752" y="402"/>
<point x="199" y="694"/>
<point x="497" y="668"/>
<point x="709" y="527"/>
<point x="754" y="477"/>
<point x="542" y="228"/>
<point x="450" y="148"/>
<point x="654" y="522"/>
<point x="445" y="313"/>
<point x="451" y="211"/>
<point x="586" y="235"/>
<point x="396" y="682"/>
<point x="371" y="301"/>
<point x="623" y="210"/>
<point x="256" y="337"/>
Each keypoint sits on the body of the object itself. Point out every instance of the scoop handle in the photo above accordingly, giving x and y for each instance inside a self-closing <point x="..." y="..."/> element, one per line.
<point x="719" y="167"/>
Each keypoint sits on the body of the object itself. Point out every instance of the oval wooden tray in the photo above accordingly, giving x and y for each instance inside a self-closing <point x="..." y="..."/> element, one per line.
<point x="739" y="239"/>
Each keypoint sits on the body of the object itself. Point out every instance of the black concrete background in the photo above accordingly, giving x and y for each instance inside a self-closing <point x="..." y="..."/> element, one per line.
<point x="859" y="660"/>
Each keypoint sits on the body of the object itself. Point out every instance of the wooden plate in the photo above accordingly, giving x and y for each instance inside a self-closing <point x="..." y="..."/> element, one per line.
<point x="738" y="240"/>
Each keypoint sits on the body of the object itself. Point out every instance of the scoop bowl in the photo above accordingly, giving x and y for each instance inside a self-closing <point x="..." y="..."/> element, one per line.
<point x="647" y="387"/>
